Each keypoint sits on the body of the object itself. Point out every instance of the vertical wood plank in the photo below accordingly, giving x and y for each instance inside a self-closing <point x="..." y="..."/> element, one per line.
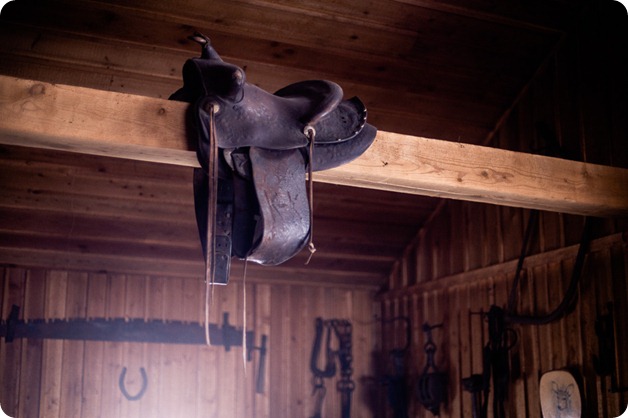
<point x="209" y="376"/>
<point x="231" y="391"/>
<point x="452" y="331"/>
<point x="587" y="310"/>
<point x="10" y="353"/>
<point x="424" y="257"/>
<point x="556" y="330"/>
<point x="155" y="299"/>
<point x="56" y="291"/>
<point x="133" y="353"/>
<point x="30" y="372"/>
<point x="529" y="367"/>
<point x="247" y="306"/>
<point x="277" y="372"/>
<point x="172" y="382"/>
<point x="550" y="233"/>
<point x="491" y="234"/>
<point x="72" y="370"/>
<point x="189" y="369"/>
<point x="619" y="260"/>
<point x="604" y="290"/>
<point x="93" y="357"/>
<point x="111" y="397"/>
<point x="362" y="350"/>
<point x="543" y="305"/>
<point x="263" y="327"/>
<point x="457" y="243"/>
<point x="465" y="356"/>
<point x="300" y="338"/>
<point x="440" y="315"/>
<point x="437" y="248"/>
<point x="234" y="305"/>
<point x="512" y="227"/>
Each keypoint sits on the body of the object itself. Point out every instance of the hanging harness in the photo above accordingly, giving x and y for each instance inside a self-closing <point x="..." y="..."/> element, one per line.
<point x="342" y="330"/>
<point x="396" y="377"/>
<point x="495" y="366"/>
<point x="431" y="388"/>
<point x="502" y="338"/>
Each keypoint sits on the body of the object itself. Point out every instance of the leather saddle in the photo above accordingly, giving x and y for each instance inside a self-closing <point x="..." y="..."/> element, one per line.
<point x="254" y="149"/>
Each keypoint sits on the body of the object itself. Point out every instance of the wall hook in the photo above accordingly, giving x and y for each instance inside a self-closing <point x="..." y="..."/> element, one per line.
<point x="123" y="386"/>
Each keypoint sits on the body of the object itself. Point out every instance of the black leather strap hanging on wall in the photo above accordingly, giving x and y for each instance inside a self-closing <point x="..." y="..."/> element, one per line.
<point x="571" y="294"/>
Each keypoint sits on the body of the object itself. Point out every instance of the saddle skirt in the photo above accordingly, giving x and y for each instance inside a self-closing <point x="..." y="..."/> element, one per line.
<point x="262" y="211"/>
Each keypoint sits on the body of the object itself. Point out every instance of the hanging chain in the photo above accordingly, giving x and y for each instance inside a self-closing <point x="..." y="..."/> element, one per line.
<point x="345" y="385"/>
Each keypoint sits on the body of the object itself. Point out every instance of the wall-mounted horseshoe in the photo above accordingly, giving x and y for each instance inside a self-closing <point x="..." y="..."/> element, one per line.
<point x="123" y="387"/>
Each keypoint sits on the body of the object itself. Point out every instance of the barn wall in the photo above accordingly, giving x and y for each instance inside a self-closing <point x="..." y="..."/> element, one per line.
<point x="464" y="260"/>
<point x="460" y="302"/>
<point x="56" y="378"/>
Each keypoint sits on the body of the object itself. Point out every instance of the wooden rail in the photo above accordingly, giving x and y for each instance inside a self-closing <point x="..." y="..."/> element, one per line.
<point x="36" y="114"/>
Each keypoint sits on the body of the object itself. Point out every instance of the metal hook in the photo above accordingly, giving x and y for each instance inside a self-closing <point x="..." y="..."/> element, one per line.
<point x="123" y="387"/>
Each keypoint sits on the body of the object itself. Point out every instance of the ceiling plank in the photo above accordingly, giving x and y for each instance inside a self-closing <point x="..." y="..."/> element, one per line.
<point x="89" y="121"/>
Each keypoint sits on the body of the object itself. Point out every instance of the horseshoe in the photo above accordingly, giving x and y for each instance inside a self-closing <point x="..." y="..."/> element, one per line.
<point x="123" y="387"/>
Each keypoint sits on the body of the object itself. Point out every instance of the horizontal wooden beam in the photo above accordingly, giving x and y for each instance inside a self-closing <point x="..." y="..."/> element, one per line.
<point x="88" y="121"/>
<point x="36" y="114"/>
<point x="429" y="167"/>
<point x="506" y="270"/>
<point x="61" y="259"/>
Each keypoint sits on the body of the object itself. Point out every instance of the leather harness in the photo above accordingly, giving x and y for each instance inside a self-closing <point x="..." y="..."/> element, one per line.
<point x="345" y="385"/>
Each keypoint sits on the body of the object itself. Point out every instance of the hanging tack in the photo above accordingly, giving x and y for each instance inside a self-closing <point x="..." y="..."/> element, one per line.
<point x="310" y="133"/>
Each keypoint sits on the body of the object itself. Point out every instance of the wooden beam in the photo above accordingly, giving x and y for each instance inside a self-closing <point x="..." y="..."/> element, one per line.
<point x="88" y="121"/>
<point x="36" y="114"/>
<point x="429" y="167"/>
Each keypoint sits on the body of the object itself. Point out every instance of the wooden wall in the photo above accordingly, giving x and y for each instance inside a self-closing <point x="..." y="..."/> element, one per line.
<point x="456" y="300"/>
<point x="56" y="378"/>
<point x="464" y="260"/>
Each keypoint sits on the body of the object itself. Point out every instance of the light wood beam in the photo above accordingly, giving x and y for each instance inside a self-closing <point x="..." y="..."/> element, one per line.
<point x="36" y="114"/>
<point x="429" y="167"/>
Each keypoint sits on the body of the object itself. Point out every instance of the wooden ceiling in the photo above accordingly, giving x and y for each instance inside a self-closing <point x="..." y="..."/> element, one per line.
<point x="448" y="69"/>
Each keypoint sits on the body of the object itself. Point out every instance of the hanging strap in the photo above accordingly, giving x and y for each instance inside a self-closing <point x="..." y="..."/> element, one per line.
<point x="572" y="291"/>
<point x="319" y="393"/>
<point x="310" y="133"/>
<point x="330" y="365"/>
<point x="210" y="253"/>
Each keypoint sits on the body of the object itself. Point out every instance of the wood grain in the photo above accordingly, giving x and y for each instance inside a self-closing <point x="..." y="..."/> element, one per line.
<point x="126" y="126"/>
